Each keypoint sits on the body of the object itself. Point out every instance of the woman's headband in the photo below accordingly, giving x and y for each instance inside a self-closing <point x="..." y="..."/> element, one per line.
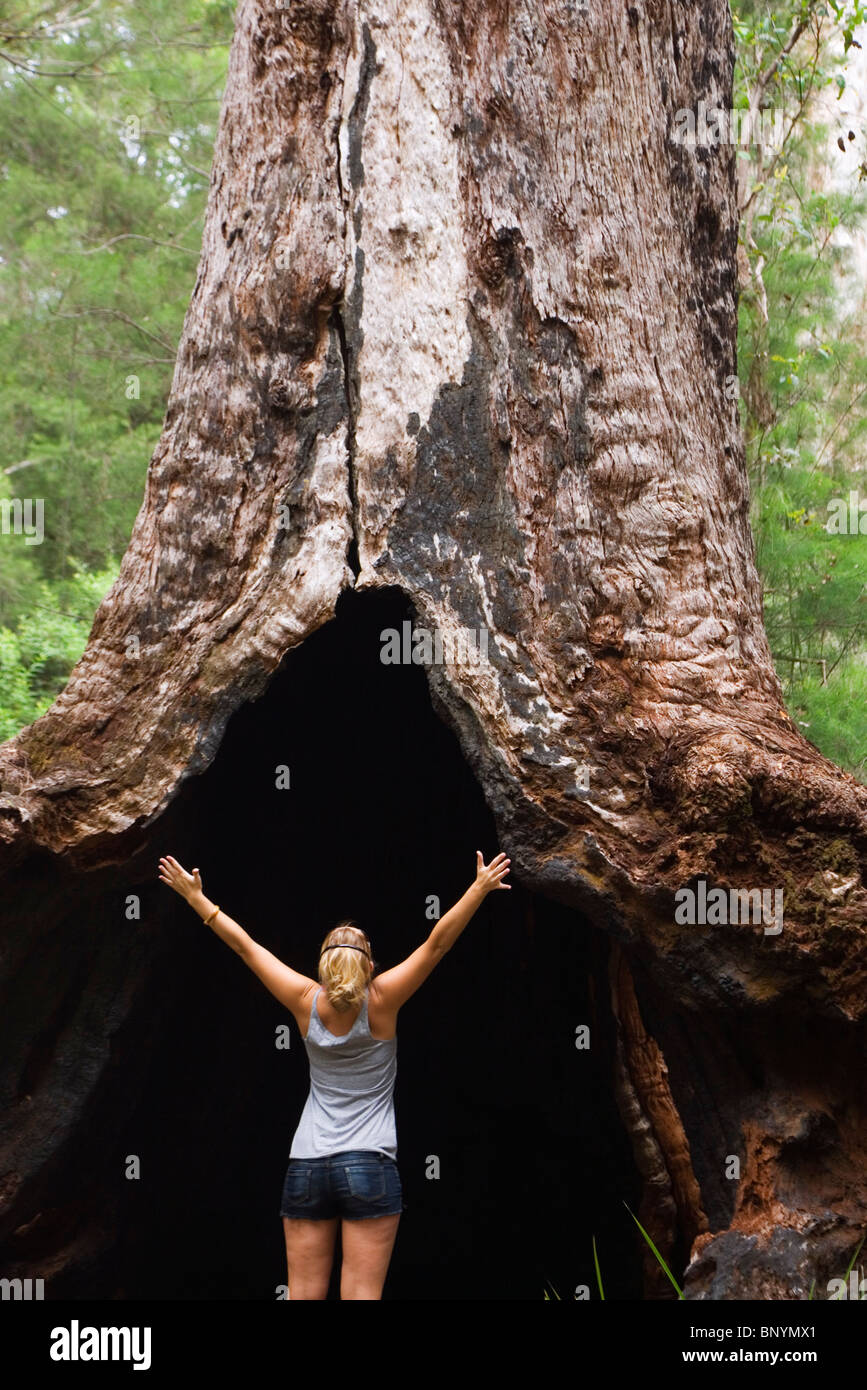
<point x="344" y="946"/>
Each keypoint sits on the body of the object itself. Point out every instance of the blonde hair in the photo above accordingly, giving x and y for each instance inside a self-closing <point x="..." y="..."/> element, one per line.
<point x="345" y="975"/>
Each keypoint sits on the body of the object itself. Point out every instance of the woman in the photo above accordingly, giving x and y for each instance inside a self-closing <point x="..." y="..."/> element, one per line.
<point x="343" y="1159"/>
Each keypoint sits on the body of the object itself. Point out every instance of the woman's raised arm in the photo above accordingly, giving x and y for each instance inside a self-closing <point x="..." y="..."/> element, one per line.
<point x="285" y="984"/>
<point x="395" y="986"/>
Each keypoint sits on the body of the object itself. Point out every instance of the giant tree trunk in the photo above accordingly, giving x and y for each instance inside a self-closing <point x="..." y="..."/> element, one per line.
<point x="464" y="324"/>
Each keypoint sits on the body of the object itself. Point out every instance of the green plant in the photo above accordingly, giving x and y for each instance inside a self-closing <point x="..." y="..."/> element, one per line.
<point x="598" y="1271"/>
<point x="802" y="361"/>
<point x="838" y="1296"/>
<point x="659" y="1257"/>
<point x="656" y="1252"/>
<point x="37" y="655"/>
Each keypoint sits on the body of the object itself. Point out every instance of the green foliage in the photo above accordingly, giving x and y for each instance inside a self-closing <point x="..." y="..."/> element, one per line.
<point x="598" y="1271"/>
<point x="108" y="116"/>
<point x="803" y="361"/>
<point x="659" y="1259"/>
<point x="36" y="659"/>
<point x="837" y="1296"/>
<point x="549" y="1297"/>
<point x="107" y="121"/>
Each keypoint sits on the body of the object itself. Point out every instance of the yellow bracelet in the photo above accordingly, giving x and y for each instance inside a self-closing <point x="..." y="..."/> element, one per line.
<point x="209" y="919"/>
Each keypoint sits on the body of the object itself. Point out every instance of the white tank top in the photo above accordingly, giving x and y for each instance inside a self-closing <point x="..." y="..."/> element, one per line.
<point x="351" y="1099"/>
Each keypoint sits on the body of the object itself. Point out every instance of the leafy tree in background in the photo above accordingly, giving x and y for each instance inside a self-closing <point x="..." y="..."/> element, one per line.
<point x="803" y="361"/>
<point x="108" y="116"/>
<point x="35" y="659"/>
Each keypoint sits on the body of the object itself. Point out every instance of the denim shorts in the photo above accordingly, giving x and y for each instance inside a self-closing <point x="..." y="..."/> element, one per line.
<point x="356" y="1184"/>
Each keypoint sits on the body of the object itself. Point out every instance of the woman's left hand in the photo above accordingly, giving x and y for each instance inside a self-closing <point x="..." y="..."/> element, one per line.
<point x="177" y="877"/>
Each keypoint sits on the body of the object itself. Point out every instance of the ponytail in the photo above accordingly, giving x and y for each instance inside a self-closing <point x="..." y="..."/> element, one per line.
<point x="345" y="975"/>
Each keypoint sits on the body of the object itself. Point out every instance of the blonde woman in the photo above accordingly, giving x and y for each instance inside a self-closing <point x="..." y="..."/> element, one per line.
<point x="343" y="1159"/>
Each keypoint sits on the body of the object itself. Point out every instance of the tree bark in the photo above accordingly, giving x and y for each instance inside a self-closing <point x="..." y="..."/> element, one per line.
<point x="465" y="324"/>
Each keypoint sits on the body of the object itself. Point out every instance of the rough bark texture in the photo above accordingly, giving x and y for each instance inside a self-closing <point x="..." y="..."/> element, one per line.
<point x="464" y="323"/>
<point x="671" y="1210"/>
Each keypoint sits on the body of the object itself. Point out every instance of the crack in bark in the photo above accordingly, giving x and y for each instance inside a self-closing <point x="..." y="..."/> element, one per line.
<point x="354" y="126"/>
<point x="352" y="556"/>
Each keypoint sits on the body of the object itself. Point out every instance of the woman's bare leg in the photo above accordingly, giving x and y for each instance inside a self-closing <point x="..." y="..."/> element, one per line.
<point x="309" y="1256"/>
<point x="367" y="1247"/>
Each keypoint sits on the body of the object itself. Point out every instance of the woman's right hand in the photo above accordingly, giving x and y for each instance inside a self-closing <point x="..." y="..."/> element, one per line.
<point x="490" y="876"/>
<point x="188" y="885"/>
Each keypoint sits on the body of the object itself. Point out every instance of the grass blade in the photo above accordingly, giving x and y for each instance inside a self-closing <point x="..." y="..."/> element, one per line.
<point x="671" y="1277"/>
<point x="849" y="1270"/>
<point x="598" y="1271"/>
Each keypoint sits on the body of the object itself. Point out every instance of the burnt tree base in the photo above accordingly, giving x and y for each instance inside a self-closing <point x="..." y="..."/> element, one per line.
<point x="149" y="1039"/>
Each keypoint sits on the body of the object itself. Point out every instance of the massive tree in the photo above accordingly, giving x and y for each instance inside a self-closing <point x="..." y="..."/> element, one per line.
<point x="464" y="328"/>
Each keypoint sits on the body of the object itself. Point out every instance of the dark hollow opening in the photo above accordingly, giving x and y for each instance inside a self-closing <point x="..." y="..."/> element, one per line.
<point x="382" y="812"/>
